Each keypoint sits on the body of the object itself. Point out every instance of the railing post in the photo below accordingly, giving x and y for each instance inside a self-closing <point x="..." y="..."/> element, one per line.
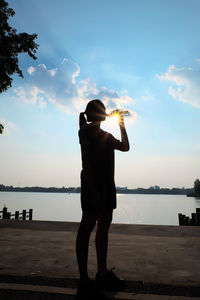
<point x="5" y="212"/>
<point x="194" y="219"/>
<point x="187" y="220"/>
<point x="180" y="218"/>
<point x="24" y="214"/>
<point x="30" y="214"/>
<point x="17" y="215"/>
<point x="198" y="216"/>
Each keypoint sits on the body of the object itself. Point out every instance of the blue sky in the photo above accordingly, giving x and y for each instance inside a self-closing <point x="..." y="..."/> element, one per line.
<point x="142" y="55"/>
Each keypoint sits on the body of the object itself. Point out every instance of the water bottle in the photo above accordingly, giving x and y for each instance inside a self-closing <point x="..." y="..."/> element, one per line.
<point x="124" y="113"/>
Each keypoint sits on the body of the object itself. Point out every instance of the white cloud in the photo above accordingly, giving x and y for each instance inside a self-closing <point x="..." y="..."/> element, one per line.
<point x="42" y="103"/>
<point x="186" y="84"/>
<point x="31" y="70"/>
<point x="52" y="72"/>
<point x="28" y="93"/>
<point x="62" y="87"/>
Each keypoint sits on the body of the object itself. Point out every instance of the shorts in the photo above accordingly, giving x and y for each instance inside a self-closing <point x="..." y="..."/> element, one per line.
<point x="99" y="196"/>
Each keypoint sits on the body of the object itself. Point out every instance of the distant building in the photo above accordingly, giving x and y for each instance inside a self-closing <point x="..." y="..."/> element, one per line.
<point x="122" y="188"/>
<point x="155" y="187"/>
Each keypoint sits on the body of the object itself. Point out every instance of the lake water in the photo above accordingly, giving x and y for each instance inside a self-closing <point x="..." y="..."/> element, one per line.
<point x="131" y="209"/>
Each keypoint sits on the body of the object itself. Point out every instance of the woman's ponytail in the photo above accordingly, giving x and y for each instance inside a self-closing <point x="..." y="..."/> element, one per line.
<point x="82" y="119"/>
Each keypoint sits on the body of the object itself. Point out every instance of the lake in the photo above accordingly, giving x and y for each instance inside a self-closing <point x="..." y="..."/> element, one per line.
<point x="131" y="208"/>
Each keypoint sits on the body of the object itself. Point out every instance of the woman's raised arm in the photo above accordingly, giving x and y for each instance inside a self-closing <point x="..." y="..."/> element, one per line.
<point x="124" y="137"/>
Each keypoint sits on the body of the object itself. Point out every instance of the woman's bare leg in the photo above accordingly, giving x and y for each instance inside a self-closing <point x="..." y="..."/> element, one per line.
<point x="103" y="226"/>
<point x="87" y="224"/>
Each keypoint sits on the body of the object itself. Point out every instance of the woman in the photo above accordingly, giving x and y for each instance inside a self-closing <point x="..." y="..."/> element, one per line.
<point x="98" y="192"/>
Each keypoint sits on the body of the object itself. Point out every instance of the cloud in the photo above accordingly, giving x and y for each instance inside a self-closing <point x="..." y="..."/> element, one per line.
<point x="31" y="70"/>
<point x="28" y="93"/>
<point x="61" y="87"/>
<point x="186" y="84"/>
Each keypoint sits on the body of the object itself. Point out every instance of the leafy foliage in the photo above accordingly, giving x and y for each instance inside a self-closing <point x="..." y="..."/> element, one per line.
<point x="1" y="128"/>
<point x="197" y="186"/>
<point x="11" y="44"/>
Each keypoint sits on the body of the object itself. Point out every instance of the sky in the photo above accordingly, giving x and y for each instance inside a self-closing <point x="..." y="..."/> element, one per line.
<point x="140" y="55"/>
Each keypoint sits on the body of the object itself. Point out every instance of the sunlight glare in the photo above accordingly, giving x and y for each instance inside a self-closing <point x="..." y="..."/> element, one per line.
<point x="112" y="122"/>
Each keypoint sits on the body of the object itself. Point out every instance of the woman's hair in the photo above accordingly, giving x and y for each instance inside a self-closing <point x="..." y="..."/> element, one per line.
<point x="95" y="111"/>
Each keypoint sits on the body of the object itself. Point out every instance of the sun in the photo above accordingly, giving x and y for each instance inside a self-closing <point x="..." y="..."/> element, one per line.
<point x="112" y="121"/>
<point x="111" y="124"/>
<point x="114" y="118"/>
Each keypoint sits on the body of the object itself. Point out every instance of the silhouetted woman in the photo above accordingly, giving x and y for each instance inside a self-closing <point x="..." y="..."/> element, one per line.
<point x="98" y="192"/>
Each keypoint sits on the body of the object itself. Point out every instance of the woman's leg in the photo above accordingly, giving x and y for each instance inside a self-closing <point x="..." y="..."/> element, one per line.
<point x="103" y="226"/>
<point x="87" y="224"/>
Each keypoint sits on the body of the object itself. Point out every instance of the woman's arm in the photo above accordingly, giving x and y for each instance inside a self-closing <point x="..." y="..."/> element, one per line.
<point x="124" y="145"/>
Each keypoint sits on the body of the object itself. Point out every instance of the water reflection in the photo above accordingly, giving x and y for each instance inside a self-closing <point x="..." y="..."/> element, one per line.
<point x="131" y="209"/>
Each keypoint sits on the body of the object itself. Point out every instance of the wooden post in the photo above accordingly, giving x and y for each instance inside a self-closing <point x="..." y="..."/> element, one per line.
<point x="198" y="216"/>
<point x="8" y="215"/>
<point x="180" y="219"/>
<point x="17" y="215"/>
<point x="184" y="220"/>
<point x="30" y="214"/>
<point x="24" y="214"/>
<point x="194" y="219"/>
<point x="187" y="221"/>
<point x="5" y="212"/>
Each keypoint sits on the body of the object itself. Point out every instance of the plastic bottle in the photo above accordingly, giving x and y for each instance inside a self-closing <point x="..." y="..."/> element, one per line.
<point x="124" y="113"/>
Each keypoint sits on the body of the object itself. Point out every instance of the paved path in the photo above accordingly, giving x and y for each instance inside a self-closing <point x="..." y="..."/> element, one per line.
<point x="153" y="259"/>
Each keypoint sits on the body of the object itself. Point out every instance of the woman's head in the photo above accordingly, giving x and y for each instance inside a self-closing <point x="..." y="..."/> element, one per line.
<point x="95" y="111"/>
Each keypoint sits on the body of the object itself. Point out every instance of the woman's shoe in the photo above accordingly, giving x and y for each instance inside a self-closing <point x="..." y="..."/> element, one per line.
<point x="110" y="281"/>
<point x="88" y="290"/>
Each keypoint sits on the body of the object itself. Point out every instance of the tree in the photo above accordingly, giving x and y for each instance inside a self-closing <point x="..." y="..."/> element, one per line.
<point x="197" y="186"/>
<point x="1" y="129"/>
<point x="11" y="44"/>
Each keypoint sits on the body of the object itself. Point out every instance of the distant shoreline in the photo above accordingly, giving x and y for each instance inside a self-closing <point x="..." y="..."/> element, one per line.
<point x="152" y="191"/>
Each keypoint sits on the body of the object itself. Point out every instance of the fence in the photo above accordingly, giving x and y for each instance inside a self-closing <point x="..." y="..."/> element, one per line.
<point x="193" y="221"/>
<point x="24" y="215"/>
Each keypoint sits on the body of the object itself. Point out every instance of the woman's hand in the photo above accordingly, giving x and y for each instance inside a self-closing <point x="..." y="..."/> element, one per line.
<point x="119" y="114"/>
<point x="120" y="119"/>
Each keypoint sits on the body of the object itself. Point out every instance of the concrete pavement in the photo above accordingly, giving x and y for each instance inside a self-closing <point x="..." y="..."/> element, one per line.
<point x="155" y="260"/>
